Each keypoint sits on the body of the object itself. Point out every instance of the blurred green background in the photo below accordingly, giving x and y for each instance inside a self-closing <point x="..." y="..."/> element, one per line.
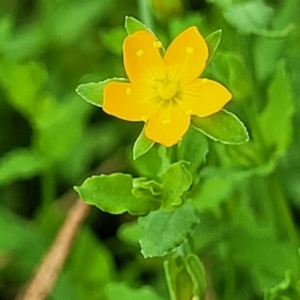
<point x="51" y="140"/>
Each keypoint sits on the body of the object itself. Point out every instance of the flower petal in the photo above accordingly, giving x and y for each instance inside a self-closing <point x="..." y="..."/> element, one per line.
<point x="168" y="125"/>
<point x="186" y="56"/>
<point x="142" y="60"/>
<point x="203" y="97"/>
<point x="129" y="102"/>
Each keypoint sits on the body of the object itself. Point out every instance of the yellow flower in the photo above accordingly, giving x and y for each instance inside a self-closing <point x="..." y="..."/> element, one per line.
<point x="164" y="91"/>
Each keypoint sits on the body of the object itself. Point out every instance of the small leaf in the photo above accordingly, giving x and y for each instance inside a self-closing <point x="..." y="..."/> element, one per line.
<point x="222" y="126"/>
<point x="165" y="230"/>
<point x="213" y="40"/>
<point x="176" y="180"/>
<point x="113" y="194"/>
<point x="142" y="145"/>
<point x="133" y="25"/>
<point x="93" y="92"/>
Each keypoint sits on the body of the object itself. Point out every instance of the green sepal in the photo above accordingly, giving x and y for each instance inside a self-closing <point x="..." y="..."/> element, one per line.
<point x="133" y="25"/>
<point x="93" y="92"/>
<point x="176" y="179"/>
<point x="113" y="194"/>
<point x="179" y="281"/>
<point x="197" y="273"/>
<point x="165" y="230"/>
<point x="213" y="40"/>
<point x="142" y="145"/>
<point x="223" y="126"/>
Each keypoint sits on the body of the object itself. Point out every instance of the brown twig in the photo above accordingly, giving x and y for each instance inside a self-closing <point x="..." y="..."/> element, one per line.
<point x="42" y="282"/>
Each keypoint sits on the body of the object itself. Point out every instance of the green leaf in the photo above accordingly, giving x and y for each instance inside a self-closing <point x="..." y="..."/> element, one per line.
<point x="175" y="181"/>
<point x="249" y="17"/>
<point x="113" y="194"/>
<point x="179" y="281"/>
<point x="142" y="145"/>
<point x="213" y="40"/>
<point x="222" y="126"/>
<point x="133" y="25"/>
<point x="20" y="164"/>
<point x="165" y="230"/>
<point x="276" y="118"/>
<point x="93" y="92"/>
<point x="147" y="188"/>
<point x="115" y="291"/>
<point x="193" y="148"/>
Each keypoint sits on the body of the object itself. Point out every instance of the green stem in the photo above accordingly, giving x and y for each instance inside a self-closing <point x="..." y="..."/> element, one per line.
<point x="145" y="13"/>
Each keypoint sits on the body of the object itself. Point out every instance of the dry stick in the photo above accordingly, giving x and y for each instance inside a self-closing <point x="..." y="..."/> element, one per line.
<point x="47" y="273"/>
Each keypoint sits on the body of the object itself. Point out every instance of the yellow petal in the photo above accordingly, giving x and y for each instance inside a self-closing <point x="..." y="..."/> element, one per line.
<point x="129" y="102"/>
<point x="186" y="57"/>
<point x="203" y="97"/>
<point x="168" y="125"/>
<point x="142" y="60"/>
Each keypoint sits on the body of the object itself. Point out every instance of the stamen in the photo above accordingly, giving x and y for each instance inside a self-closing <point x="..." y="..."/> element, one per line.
<point x="157" y="44"/>
<point x="189" y="50"/>
<point x="128" y="91"/>
<point x="139" y="53"/>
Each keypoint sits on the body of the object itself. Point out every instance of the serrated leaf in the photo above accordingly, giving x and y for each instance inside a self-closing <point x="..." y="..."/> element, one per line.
<point x="133" y="25"/>
<point x="175" y="181"/>
<point x="213" y="40"/>
<point x="93" y="92"/>
<point x="165" y="230"/>
<point x="142" y="145"/>
<point x="113" y="194"/>
<point x="222" y="126"/>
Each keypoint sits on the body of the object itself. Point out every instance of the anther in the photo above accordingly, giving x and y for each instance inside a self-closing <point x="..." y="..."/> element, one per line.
<point x="157" y="44"/>
<point x="139" y="53"/>
<point x="128" y="91"/>
<point x="189" y="50"/>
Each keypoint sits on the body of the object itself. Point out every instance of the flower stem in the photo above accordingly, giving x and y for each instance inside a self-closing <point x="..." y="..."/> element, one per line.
<point x="145" y="13"/>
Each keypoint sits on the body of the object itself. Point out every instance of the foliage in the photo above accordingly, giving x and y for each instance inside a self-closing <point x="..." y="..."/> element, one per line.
<point x="217" y="213"/>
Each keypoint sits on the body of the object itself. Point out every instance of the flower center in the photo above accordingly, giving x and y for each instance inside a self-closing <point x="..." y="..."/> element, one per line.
<point x="166" y="89"/>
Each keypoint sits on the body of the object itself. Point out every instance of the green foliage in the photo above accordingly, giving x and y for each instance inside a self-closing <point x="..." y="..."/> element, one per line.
<point x="223" y="126"/>
<point x="233" y="204"/>
<point x="165" y="230"/>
